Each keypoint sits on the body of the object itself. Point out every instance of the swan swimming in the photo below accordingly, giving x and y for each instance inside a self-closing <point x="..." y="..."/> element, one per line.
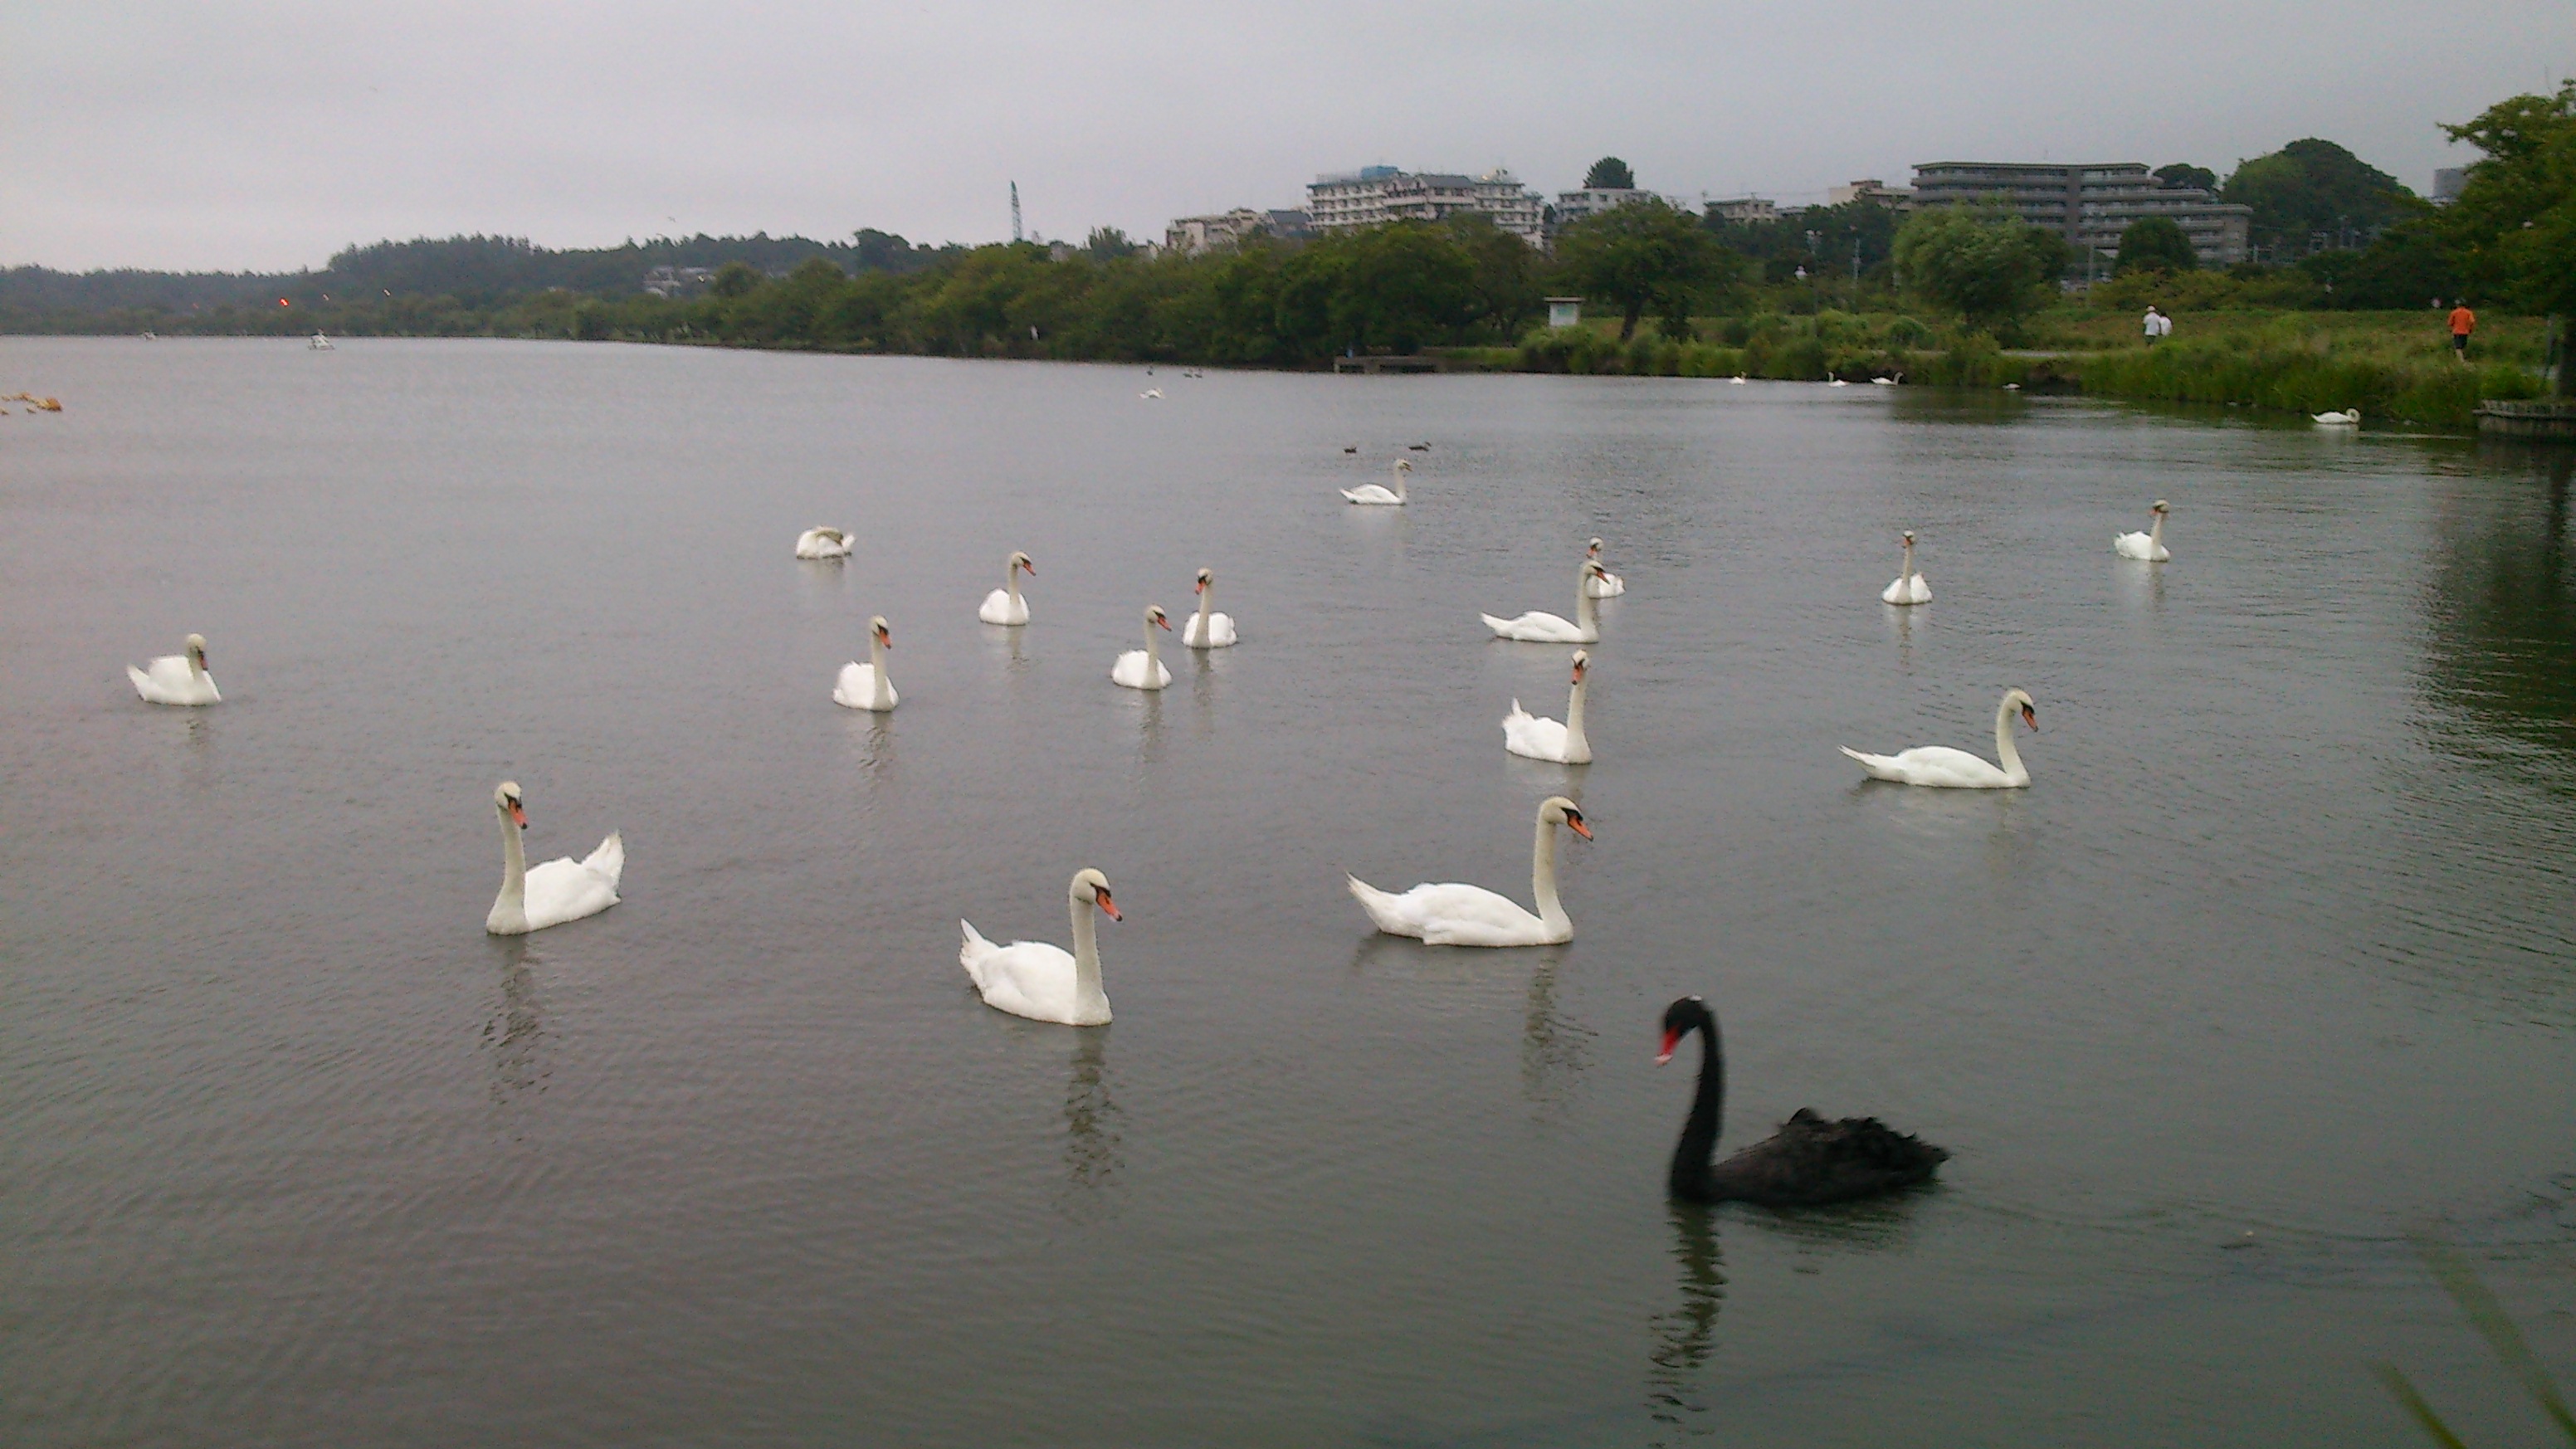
<point x="822" y="543"/>
<point x="2148" y="546"/>
<point x="1465" y="915"/>
<point x="177" y="678"/>
<point x="1957" y="769"/>
<point x="1004" y="605"/>
<point x="1143" y="668"/>
<point x="1606" y="585"/>
<point x="1536" y="627"/>
<point x="560" y="890"/>
<point x="1810" y="1161"/>
<point x="1039" y="981"/>
<point x="865" y="686"/>
<point x="1910" y="587"/>
<point x="2348" y="418"/>
<point x="1545" y="739"/>
<point x="1206" y="630"/>
<point x="1379" y="493"/>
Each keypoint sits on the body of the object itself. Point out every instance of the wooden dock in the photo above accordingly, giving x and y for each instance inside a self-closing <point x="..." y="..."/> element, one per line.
<point x="2538" y="419"/>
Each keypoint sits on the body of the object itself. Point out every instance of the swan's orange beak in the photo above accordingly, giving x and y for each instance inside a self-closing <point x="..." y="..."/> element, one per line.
<point x="1166" y="623"/>
<point x="519" y="815"/>
<point x="1030" y="569"/>
<point x="1199" y="588"/>
<point x="886" y="637"/>
<point x="2029" y="718"/>
<point x="1672" y="1039"/>
<point x="1575" y="824"/>
<point x="1107" y="906"/>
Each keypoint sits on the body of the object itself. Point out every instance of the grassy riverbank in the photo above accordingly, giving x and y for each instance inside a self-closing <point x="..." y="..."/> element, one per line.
<point x="2392" y="365"/>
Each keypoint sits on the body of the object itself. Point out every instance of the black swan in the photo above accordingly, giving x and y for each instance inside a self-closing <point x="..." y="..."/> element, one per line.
<point x="1810" y="1161"/>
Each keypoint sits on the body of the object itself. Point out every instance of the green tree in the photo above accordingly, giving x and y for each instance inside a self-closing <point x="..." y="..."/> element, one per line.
<point x="2314" y="186"/>
<point x="2156" y="244"/>
<point x="2512" y="233"/>
<point x="1984" y="263"/>
<point x="1107" y="242"/>
<point x="735" y="279"/>
<point x="1646" y="255"/>
<point x="2181" y="174"/>
<point x="1609" y="174"/>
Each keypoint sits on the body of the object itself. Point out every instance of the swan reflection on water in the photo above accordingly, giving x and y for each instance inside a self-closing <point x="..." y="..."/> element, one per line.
<point x="1554" y="1045"/>
<point x="1686" y="1334"/>
<point x="871" y="740"/>
<point x="516" y="1028"/>
<point x="1091" y="1160"/>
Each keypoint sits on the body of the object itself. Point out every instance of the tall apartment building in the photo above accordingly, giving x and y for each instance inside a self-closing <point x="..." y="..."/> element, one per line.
<point x="1195" y="234"/>
<point x="2090" y="205"/>
<point x="1574" y="206"/>
<point x="1873" y="190"/>
<point x="1376" y="194"/>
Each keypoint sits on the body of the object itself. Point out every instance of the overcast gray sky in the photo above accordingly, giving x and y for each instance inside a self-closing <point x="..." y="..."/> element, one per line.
<point x="270" y="133"/>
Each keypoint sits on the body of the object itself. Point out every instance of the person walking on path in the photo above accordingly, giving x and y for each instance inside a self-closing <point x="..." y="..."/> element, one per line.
<point x="2463" y="322"/>
<point x="2155" y="324"/>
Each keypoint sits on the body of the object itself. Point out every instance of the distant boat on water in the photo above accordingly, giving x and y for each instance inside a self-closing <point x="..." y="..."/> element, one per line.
<point x="320" y="343"/>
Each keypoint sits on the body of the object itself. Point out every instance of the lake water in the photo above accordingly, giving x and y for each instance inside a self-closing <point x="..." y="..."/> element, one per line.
<point x="2272" y="965"/>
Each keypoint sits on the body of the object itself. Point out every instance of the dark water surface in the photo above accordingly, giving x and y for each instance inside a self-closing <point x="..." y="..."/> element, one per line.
<point x="2281" y="941"/>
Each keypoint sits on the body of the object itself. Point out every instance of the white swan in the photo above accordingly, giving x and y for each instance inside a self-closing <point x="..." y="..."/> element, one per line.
<point x="1143" y="668"/>
<point x="1039" y="981"/>
<point x="560" y="890"/>
<point x="1910" y="587"/>
<point x="1004" y="605"/>
<point x="1541" y="628"/>
<point x="1153" y="394"/>
<point x="177" y="678"/>
<point x="1836" y="382"/>
<point x="2348" y="418"/>
<point x="822" y="543"/>
<point x="1545" y="739"/>
<point x="1957" y="769"/>
<point x="1465" y="915"/>
<point x="2150" y="545"/>
<point x="1379" y="493"/>
<point x="865" y="686"/>
<point x="1738" y="380"/>
<point x="1607" y="585"/>
<point x="1206" y="630"/>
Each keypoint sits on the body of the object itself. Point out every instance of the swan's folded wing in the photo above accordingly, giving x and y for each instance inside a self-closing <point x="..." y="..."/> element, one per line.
<point x="1388" y="912"/>
<point x="1452" y="914"/>
<point x="142" y="681"/>
<point x="610" y="858"/>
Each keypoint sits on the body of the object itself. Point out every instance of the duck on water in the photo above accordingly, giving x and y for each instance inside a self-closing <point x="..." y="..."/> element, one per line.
<point x="1809" y="1162"/>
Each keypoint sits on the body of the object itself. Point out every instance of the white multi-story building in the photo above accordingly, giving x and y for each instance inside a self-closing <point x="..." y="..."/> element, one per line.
<point x="1192" y="235"/>
<point x="1745" y="210"/>
<point x="1574" y="206"/>
<point x="2090" y="205"/>
<point x="1375" y="195"/>
<point x="1894" y="198"/>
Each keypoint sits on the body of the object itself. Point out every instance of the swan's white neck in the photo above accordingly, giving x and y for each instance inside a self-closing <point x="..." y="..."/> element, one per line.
<point x="1543" y="879"/>
<point x="1578" y="750"/>
<point x="511" y="909"/>
<point x="1207" y="600"/>
<point x="1905" y="566"/>
<point x="2005" y="754"/>
<point x="1153" y="653"/>
<point x="1399" y="486"/>
<point x="881" y="692"/>
<point x="1011" y="580"/>
<point x="1086" y="948"/>
<point x="1587" y="609"/>
<point x="2156" y="532"/>
<point x="196" y="665"/>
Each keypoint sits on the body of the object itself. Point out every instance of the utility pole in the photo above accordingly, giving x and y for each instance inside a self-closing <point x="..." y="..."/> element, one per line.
<point x="1015" y="211"/>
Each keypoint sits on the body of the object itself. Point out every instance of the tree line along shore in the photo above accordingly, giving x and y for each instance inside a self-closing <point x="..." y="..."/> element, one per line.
<point x="1964" y="296"/>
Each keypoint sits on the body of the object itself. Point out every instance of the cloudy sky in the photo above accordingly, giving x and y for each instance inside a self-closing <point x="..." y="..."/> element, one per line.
<point x="267" y="134"/>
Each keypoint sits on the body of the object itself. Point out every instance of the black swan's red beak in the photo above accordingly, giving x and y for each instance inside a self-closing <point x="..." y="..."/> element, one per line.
<point x="1672" y="1039"/>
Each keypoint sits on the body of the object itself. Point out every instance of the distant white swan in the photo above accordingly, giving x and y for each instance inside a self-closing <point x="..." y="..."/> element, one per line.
<point x="1004" y="605"/>
<point x="1207" y="630"/>
<point x="177" y="678"/>
<point x="1039" y="981"/>
<point x="319" y="342"/>
<point x="1379" y="493"/>
<point x="1836" y="382"/>
<point x="1465" y="915"/>
<point x="822" y="543"/>
<point x="1606" y="585"/>
<point x="1957" y="769"/>
<point x="1143" y="668"/>
<point x="1153" y="393"/>
<point x="1545" y="739"/>
<point x="1536" y="627"/>
<point x="865" y="686"/>
<point x="560" y="890"/>
<point x="1910" y="587"/>
<point x="2150" y="545"/>
<point x="2348" y="418"/>
<point x="1738" y="380"/>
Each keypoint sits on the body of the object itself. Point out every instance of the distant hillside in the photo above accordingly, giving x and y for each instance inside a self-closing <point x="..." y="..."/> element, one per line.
<point x="475" y="270"/>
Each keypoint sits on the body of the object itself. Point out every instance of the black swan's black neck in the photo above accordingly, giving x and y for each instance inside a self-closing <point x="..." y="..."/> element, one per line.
<point x="1690" y="1177"/>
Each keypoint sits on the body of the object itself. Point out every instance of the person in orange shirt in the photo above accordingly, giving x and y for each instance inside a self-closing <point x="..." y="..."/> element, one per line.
<point x="2463" y="322"/>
